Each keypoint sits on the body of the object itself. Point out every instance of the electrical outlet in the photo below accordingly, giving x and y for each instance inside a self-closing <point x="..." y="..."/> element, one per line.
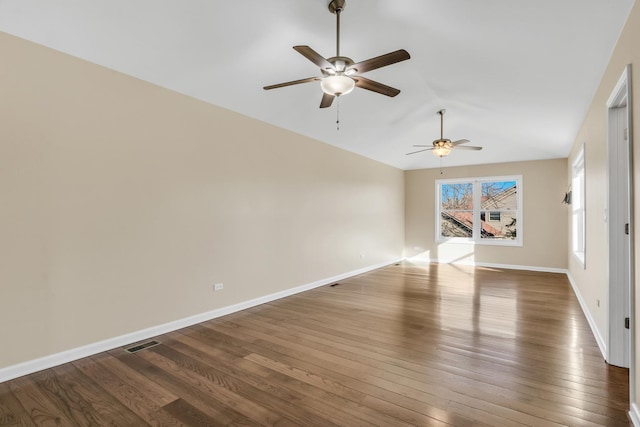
<point x="218" y="287"/>
<point x="361" y="256"/>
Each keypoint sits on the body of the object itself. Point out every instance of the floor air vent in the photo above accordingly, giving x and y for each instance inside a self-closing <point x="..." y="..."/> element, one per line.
<point x="142" y="346"/>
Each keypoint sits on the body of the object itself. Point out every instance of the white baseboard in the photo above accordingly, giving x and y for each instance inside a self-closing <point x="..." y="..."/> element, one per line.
<point x="634" y="415"/>
<point x="56" y="359"/>
<point x="418" y="260"/>
<point x="592" y="323"/>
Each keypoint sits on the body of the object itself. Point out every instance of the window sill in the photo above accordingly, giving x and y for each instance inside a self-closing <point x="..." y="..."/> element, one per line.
<point x="463" y="241"/>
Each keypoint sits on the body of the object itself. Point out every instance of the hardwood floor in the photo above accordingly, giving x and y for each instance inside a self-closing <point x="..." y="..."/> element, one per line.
<point x="400" y="346"/>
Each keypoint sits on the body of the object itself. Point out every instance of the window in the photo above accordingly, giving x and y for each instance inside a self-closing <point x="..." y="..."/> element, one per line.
<point x="494" y="216"/>
<point x="578" y="207"/>
<point x="480" y="210"/>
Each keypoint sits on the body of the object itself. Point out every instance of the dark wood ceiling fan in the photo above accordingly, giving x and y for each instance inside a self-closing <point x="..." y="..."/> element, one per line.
<point x="340" y="74"/>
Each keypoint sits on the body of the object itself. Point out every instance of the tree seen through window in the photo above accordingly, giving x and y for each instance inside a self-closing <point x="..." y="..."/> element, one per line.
<point x="479" y="209"/>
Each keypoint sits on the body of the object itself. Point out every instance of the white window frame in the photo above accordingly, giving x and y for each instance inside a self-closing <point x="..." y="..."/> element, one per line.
<point x="476" y="238"/>
<point x="578" y="208"/>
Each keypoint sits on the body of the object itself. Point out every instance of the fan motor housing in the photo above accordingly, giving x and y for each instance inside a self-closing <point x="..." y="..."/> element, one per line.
<point x="338" y="60"/>
<point x="442" y="143"/>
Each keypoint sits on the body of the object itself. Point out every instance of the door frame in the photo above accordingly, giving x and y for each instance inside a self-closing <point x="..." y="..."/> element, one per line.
<point x="620" y="348"/>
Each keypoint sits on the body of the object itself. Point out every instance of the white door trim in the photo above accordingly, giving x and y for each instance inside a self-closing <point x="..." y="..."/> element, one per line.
<point x="620" y="194"/>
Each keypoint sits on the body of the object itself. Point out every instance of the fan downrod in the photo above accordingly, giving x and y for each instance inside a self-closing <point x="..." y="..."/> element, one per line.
<point x="442" y="139"/>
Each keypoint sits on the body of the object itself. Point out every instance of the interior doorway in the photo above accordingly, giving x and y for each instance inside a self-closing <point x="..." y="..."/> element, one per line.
<point x="620" y="227"/>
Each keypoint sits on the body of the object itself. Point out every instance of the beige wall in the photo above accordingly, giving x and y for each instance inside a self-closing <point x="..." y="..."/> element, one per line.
<point x="123" y="203"/>
<point x="592" y="281"/>
<point x="545" y="230"/>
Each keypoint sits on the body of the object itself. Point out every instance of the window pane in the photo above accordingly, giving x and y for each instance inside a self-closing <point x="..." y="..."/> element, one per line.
<point x="503" y="229"/>
<point x="577" y="227"/>
<point x="500" y="200"/>
<point x="456" y="224"/>
<point x="457" y="196"/>
<point x="456" y="210"/>
<point x="499" y="195"/>
<point x="577" y="182"/>
<point x="577" y="207"/>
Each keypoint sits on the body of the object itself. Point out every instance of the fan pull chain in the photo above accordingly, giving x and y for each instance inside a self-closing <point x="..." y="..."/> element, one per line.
<point x="441" y="173"/>
<point x="337" y="113"/>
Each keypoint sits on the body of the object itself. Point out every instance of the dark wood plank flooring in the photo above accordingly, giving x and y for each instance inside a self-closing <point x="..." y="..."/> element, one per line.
<point x="401" y="346"/>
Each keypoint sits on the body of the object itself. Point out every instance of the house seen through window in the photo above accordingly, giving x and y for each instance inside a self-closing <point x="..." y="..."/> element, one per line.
<point x="481" y="210"/>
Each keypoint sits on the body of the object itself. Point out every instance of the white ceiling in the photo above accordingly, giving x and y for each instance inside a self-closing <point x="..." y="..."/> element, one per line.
<point x="515" y="76"/>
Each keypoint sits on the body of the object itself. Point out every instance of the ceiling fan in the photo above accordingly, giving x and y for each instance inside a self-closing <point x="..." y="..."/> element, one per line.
<point x="340" y="73"/>
<point x="442" y="147"/>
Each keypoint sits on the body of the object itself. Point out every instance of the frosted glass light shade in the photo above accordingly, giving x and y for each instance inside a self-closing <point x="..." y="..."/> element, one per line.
<point x="337" y="85"/>
<point x="441" y="151"/>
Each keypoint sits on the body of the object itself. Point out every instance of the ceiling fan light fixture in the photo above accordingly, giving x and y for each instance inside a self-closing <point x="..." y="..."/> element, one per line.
<point x="441" y="151"/>
<point x="442" y="147"/>
<point x="337" y="84"/>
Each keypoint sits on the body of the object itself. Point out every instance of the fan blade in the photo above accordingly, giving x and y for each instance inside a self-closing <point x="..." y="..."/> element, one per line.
<point x="381" y="61"/>
<point x="291" y="83"/>
<point x="314" y="57"/>
<point x="373" y="86"/>
<point x="420" y="151"/>
<point x="460" y="141"/>
<point x="468" y="148"/>
<point x="326" y="100"/>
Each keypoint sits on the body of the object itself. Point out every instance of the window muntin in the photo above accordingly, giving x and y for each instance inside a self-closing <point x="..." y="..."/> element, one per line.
<point x="480" y="210"/>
